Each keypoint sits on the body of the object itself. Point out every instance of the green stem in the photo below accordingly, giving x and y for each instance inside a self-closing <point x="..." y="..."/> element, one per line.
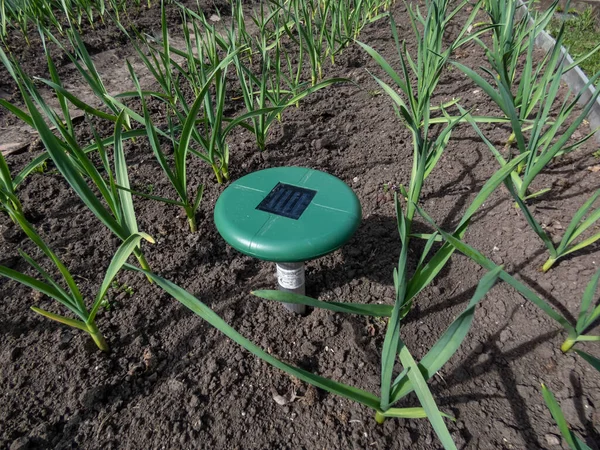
<point x="97" y="337"/>
<point x="379" y="418"/>
<point x="548" y="264"/>
<point x="511" y="140"/>
<point x="192" y="222"/>
<point x="142" y="260"/>
<point x="217" y="172"/>
<point x="568" y="345"/>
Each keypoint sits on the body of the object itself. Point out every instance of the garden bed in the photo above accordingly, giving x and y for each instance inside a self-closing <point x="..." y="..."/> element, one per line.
<point x="172" y="381"/>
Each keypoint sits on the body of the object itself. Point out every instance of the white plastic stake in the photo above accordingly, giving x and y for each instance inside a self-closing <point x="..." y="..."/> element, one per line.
<point x="290" y="277"/>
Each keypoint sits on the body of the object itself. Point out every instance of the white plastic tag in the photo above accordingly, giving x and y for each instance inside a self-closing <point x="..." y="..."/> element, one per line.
<point x="290" y="278"/>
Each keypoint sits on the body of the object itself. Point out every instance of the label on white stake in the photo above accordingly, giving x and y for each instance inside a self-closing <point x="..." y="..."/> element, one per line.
<point x="290" y="278"/>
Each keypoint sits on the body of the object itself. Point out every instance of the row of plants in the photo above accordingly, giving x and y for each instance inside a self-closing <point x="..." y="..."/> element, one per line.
<point x="276" y="69"/>
<point x="23" y="15"/>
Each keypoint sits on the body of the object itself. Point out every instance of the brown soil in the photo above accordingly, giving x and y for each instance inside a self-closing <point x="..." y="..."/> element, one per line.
<point x="171" y="381"/>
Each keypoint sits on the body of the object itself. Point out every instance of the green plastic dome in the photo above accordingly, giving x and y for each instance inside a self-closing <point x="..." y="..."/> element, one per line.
<point x="287" y="214"/>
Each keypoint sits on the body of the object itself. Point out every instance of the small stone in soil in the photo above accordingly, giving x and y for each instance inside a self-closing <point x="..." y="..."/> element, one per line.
<point x="552" y="440"/>
<point x="20" y="444"/>
<point x="505" y="335"/>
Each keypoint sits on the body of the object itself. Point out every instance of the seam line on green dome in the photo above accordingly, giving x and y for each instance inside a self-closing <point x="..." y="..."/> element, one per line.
<point x="263" y="228"/>
<point x="304" y="178"/>
<point x="335" y="209"/>
<point x="247" y="188"/>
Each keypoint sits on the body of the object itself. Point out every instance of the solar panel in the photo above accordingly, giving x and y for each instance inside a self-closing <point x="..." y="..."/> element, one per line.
<point x="287" y="200"/>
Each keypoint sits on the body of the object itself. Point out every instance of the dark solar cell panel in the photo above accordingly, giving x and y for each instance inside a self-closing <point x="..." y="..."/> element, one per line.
<point x="287" y="201"/>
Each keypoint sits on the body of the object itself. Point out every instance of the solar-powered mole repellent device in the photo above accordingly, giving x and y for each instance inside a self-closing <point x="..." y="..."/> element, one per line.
<point x="288" y="215"/>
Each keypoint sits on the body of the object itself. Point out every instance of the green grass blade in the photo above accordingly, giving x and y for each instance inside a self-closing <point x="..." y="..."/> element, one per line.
<point x="426" y="398"/>
<point x="122" y="178"/>
<point x="582" y="244"/>
<point x="572" y="440"/>
<point x="199" y="308"/>
<point x="480" y="259"/>
<point x="61" y="319"/>
<point x="40" y="286"/>
<point x="152" y="197"/>
<point x="447" y="345"/>
<point x="392" y="335"/>
<point x="483" y="84"/>
<point x="424" y="275"/>
<point x="120" y="258"/>
<point x="587" y="338"/>
<point x="430" y="241"/>
<point x="385" y="66"/>
<point x="349" y="308"/>
<point x="22" y="115"/>
<point x="39" y="242"/>
<point x="595" y="362"/>
<point x="77" y="102"/>
<point x="535" y="226"/>
<point x="41" y="159"/>
<point x="69" y="299"/>
<point x="575" y="229"/>
<point x="586" y="302"/>
<point x="5" y="176"/>
<point x="409" y="413"/>
<point x="188" y="126"/>
<point x="199" y="194"/>
<point x="71" y="174"/>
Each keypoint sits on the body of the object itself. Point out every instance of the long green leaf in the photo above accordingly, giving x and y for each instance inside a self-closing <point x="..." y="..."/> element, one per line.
<point x="586" y="302"/>
<point x="122" y="178"/>
<point x="188" y="126"/>
<point x="480" y="259"/>
<point x="61" y="319"/>
<point x="392" y="336"/>
<point x="424" y="275"/>
<point x="31" y="282"/>
<point x="426" y="398"/>
<point x="77" y="102"/>
<point x="447" y="345"/>
<point x="575" y="228"/>
<point x="199" y="308"/>
<point x="120" y="258"/>
<point x="573" y="441"/>
<point x="595" y="362"/>
<point x="68" y="170"/>
<point x="349" y="308"/>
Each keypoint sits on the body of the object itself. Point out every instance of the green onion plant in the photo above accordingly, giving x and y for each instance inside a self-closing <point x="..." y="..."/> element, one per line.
<point x="528" y="102"/>
<point x="84" y="64"/>
<point x="309" y="31"/>
<point x="575" y="333"/>
<point x="71" y="297"/>
<point x="588" y="314"/>
<point x="203" y="126"/>
<point x="177" y="175"/>
<point x="114" y="208"/>
<point x="584" y="218"/>
<point x="413" y="378"/>
<point x="56" y="15"/>
<point x="348" y="19"/>
<point x="417" y="81"/>
<point x="265" y="91"/>
<point x="271" y="19"/>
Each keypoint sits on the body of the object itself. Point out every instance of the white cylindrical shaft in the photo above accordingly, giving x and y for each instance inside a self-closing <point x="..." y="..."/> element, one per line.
<point x="290" y="277"/>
